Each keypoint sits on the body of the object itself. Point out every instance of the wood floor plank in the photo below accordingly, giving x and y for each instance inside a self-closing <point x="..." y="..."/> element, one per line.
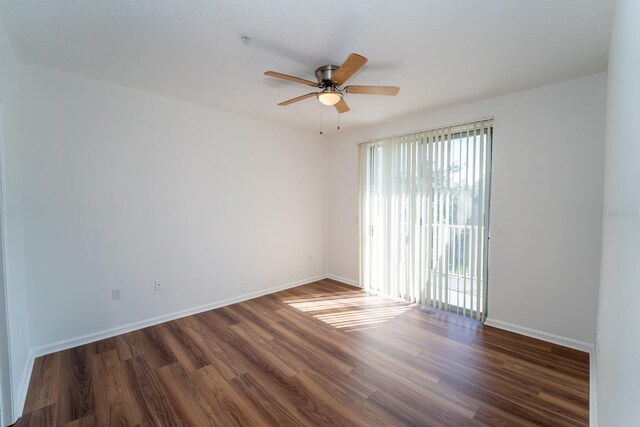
<point x="572" y="405"/>
<point x="318" y="338"/>
<point x="115" y="406"/>
<point x="185" y="350"/>
<point x="339" y="413"/>
<point x="492" y="416"/>
<point x="403" y="409"/>
<point x="153" y="347"/>
<point x="338" y="381"/>
<point x="267" y="302"/>
<point x="251" y="320"/>
<point x="274" y="378"/>
<point x="148" y="396"/>
<point x="128" y="345"/>
<point x="101" y="346"/>
<point x="275" y="354"/>
<point x="324" y="353"/>
<point x="75" y="391"/>
<point x="227" y="403"/>
<point x="44" y="382"/>
<point x="404" y="392"/>
<point x="88" y="421"/>
<point x="191" y="408"/>
<point x="41" y="417"/>
<point x="215" y="350"/>
<point x="305" y="346"/>
<point x="343" y="391"/>
<point x="273" y="408"/>
<point x="526" y="407"/>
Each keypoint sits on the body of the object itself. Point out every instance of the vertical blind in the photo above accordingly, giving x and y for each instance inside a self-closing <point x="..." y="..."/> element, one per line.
<point x="424" y="217"/>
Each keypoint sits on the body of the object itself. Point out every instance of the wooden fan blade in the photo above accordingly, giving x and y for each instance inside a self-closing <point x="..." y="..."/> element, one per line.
<point x="299" y="98"/>
<point x="353" y="63"/>
<point x="342" y="106"/>
<point x="373" y="90"/>
<point x="290" y="78"/>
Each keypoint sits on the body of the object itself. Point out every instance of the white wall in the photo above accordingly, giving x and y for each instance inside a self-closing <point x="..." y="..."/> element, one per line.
<point x="15" y="293"/>
<point x="618" y="361"/>
<point x="546" y="203"/>
<point x="122" y="187"/>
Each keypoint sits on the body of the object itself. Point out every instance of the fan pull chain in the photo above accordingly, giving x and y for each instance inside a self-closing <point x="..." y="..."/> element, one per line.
<point x="320" y="122"/>
<point x="338" y="121"/>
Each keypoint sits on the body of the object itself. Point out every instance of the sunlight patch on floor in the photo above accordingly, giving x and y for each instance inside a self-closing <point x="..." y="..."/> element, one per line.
<point x="350" y="310"/>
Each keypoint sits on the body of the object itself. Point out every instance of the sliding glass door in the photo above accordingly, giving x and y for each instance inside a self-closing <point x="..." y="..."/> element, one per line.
<point x="424" y="210"/>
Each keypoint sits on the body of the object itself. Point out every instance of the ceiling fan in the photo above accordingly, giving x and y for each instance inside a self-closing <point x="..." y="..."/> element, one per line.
<point x="330" y="80"/>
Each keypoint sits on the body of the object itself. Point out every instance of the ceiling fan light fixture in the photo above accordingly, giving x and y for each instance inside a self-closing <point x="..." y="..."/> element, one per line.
<point x="329" y="97"/>
<point x="331" y="79"/>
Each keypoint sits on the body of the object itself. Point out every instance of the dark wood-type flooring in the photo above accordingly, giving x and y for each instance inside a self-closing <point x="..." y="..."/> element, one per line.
<point x="319" y="354"/>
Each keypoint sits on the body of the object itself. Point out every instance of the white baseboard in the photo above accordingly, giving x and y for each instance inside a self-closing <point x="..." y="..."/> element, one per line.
<point x="593" y="396"/>
<point x="108" y="333"/>
<point x="544" y="336"/>
<point x="344" y="280"/>
<point x="18" y="402"/>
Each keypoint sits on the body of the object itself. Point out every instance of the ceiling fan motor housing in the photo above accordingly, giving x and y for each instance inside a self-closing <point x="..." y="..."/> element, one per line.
<point x="325" y="74"/>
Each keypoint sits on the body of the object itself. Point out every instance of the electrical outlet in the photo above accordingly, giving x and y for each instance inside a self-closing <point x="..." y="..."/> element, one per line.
<point x="116" y="293"/>
<point x="158" y="286"/>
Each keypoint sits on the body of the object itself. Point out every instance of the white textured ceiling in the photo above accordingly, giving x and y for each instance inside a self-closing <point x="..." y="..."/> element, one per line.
<point x="440" y="52"/>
